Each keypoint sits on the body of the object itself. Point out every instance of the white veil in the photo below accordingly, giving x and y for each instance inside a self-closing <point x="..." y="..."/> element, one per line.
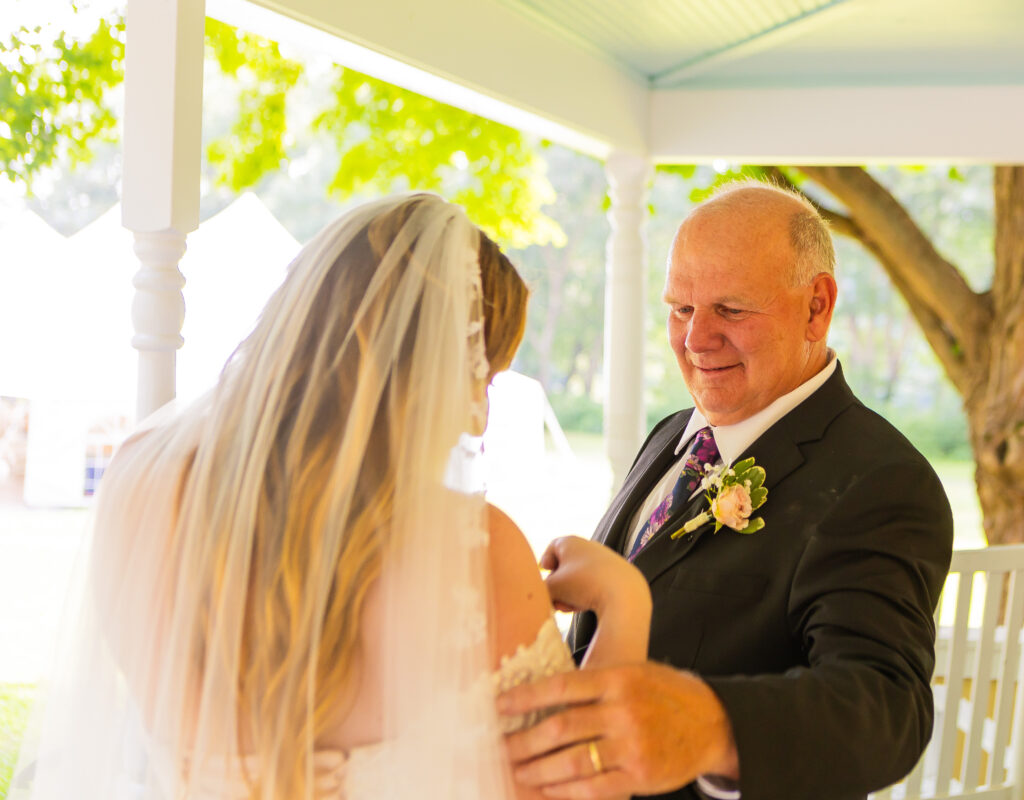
<point x="223" y="617"/>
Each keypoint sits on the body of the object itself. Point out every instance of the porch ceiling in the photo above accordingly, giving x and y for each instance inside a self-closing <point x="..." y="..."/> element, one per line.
<point x="795" y="43"/>
<point x="778" y="80"/>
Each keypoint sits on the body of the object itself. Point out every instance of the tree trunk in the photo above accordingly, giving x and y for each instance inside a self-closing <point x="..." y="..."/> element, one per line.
<point x="996" y="414"/>
<point x="978" y="338"/>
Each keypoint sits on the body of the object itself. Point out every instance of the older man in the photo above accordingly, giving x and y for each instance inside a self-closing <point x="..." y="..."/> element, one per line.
<point x="789" y="662"/>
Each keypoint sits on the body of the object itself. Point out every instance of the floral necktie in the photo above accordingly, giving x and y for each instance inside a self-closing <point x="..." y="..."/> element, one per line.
<point x="703" y="455"/>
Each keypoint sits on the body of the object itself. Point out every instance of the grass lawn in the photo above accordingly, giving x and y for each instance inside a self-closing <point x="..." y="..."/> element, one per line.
<point x="15" y="701"/>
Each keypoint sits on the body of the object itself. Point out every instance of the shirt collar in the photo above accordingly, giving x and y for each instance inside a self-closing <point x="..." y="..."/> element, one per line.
<point x="734" y="439"/>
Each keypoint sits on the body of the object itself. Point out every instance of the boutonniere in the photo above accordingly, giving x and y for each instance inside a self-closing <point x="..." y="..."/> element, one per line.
<point x="734" y="493"/>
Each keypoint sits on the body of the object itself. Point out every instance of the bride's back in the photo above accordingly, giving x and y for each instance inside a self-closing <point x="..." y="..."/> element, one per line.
<point x="518" y="605"/>
<point x="273" y="553"/>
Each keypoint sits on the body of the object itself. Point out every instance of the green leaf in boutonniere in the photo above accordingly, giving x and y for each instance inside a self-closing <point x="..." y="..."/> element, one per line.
<point x="734" y="494"/>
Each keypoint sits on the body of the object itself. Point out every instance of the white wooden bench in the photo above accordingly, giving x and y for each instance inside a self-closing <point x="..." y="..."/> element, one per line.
<point x="977" y="745"/>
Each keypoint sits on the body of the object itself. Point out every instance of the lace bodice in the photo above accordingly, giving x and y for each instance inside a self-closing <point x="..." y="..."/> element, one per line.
<point x="545" y="656"/>
<point x="357" y="776"/>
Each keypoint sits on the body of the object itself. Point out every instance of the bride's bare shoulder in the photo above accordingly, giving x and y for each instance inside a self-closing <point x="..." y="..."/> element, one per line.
<point x="521" y="602"/>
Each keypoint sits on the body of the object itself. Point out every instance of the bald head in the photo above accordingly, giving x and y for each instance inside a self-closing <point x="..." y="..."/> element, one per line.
<point x="765" y="210"/>
<point x="749" y="301"/>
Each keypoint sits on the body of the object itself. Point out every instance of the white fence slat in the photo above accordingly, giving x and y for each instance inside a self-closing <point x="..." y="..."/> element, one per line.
<point x="1005" y="697"/>
<point x="954" y="685"/>
<point x="913" y="781"/>
<point x="980" y="681"/>
<point x="1016" y="757"/>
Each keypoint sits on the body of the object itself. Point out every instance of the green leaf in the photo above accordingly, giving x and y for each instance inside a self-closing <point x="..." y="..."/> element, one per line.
<point x="757" y="498"/>
<point x="741" y="467"/>
<point x="754" y="526"/>
<point x="756" y="477"/>
<point x="54" y="97"/>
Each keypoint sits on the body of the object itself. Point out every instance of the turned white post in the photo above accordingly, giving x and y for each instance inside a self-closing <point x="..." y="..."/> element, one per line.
<point x="625" y="291"/>
<point x="160" y="187"/>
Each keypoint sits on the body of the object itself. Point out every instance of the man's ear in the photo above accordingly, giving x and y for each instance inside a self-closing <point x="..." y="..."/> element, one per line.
<point x="821" y="306"/>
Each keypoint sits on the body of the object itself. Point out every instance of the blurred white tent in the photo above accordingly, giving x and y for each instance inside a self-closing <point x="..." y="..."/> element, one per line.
<point x="234" y="262"/>
<point x="29" y="252"/>
<point x="66" y="331"/>
<point x="98" y="363"/>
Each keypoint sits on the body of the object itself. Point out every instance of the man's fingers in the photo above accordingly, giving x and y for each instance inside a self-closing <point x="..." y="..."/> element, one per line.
<point x="569" y="727"/>
<point x="613" y="783"/>
<point x="581" y="686"/>
<point x="572" y="763"/>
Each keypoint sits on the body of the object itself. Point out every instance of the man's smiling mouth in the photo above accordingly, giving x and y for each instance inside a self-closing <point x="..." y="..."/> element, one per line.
<point x="715" y="369"/>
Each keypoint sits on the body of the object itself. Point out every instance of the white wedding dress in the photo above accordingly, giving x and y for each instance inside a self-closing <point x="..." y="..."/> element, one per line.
<point x="360" y="773"/>
<point x="364" y="773"/>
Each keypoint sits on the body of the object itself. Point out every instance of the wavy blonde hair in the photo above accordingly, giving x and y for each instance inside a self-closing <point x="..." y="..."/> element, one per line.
<point x="259" y="486"/>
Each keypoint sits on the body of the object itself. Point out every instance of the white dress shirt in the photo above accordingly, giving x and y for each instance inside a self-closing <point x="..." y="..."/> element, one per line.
<point x="732" y="440"/>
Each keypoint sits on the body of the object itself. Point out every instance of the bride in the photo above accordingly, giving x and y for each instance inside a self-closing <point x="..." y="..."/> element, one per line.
<point x="292" y="590"/>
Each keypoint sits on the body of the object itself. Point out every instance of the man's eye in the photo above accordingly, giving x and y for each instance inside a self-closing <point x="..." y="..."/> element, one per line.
<point x="732" y="312"/>
<point x="682" y="311"/>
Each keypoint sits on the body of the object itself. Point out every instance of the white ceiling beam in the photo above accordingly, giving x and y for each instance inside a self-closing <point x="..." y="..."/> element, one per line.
<point x="483" y="57"/>
<point x="983" y="124"/>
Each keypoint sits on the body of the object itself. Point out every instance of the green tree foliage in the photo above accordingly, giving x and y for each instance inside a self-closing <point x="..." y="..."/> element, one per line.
<point x="393" y="139"/>
<point x="55" y="100"/>
<point x="256" y="142"/>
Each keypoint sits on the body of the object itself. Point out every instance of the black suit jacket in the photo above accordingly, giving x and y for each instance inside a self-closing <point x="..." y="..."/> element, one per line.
<point x="816" y="632"/>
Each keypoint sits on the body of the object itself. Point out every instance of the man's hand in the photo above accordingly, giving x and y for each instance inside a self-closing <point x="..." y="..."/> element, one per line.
<point x="655" y="729"/>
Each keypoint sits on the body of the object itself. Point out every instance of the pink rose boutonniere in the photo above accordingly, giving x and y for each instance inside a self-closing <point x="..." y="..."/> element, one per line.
<point x="734" y="494"/>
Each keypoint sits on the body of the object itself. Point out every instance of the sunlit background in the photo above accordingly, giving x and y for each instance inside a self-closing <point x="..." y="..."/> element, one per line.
<point x="67" y="369"/>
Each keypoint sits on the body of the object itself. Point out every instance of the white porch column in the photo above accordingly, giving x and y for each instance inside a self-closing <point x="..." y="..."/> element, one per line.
<point x="625" y="291"/>
<point x="160" y="187"/>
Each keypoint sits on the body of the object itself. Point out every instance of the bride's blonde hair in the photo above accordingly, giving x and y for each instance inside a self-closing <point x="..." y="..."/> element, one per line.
<point x="261" y="484"/>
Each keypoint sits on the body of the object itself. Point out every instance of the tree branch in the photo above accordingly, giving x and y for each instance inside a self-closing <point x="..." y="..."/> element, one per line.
<point x="937" y="334"/>
<point x="954" y="318"/>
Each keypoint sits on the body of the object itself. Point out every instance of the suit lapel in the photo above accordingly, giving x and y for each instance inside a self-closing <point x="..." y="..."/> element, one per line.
<point x="651" y="465"/>
<point x="777" y="450"/>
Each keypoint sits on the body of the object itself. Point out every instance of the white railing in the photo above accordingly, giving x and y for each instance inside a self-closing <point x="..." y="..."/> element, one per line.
<point x="977" y="745"/>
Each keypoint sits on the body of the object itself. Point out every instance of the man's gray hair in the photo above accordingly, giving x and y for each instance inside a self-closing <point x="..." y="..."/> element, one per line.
<point x="808" y="231"/>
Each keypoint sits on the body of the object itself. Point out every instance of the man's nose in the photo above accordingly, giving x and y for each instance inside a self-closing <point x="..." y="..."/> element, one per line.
<point x="702" y="333"/>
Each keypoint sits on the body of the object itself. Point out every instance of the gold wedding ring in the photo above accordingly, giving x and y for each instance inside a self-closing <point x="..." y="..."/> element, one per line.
<point x="595" y="757"/>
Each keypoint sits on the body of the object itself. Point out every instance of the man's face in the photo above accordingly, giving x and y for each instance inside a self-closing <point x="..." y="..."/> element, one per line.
<point x="742" y="336"/>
